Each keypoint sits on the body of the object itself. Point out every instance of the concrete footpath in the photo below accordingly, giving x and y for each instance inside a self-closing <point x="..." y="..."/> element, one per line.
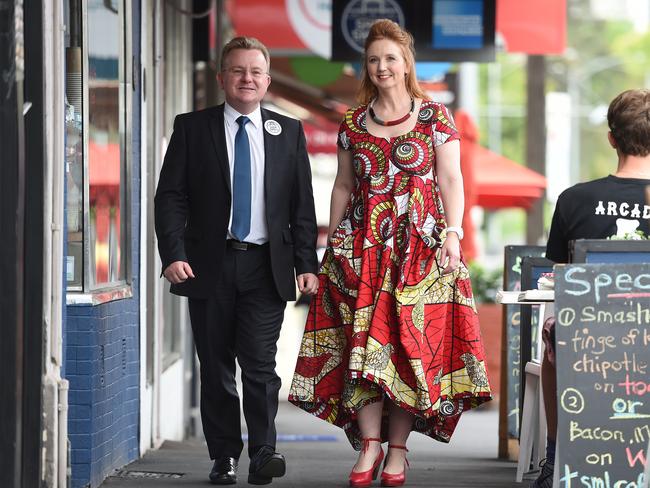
<point x="318" y="455"/>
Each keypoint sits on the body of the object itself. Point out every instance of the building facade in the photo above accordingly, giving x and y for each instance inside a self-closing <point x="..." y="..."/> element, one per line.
<point x="98" y="356"/>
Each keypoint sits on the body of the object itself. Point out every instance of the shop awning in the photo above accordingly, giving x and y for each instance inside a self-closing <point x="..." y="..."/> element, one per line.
<point x="501" y="182"/>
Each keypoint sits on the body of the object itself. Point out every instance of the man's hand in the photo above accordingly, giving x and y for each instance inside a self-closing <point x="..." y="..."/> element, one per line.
<point x="307" y="283"/>
<point x="178" y="272"/>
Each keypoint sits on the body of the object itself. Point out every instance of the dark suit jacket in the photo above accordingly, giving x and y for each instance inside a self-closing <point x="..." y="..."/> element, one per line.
<point x="193" y="199"/>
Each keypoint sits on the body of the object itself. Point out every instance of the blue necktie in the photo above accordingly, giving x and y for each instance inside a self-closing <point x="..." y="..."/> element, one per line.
<point x="241" y="211"/>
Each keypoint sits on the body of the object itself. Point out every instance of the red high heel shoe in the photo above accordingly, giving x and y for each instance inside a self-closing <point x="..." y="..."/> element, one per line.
<point x="398" y="479"/>
<point x="363" y="479"/>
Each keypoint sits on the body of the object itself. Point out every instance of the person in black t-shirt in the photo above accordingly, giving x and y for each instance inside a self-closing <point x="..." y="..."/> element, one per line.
<point x="610" y="207"/>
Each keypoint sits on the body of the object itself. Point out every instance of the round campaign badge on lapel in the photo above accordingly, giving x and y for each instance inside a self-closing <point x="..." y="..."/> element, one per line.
<point x="272" y="127"/>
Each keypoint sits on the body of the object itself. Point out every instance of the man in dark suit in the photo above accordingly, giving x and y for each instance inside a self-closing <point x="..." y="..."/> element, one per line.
<point x="235" y="218"/>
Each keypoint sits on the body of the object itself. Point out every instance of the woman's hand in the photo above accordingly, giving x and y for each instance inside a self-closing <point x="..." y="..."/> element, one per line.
<point x="450" y="253"/>
<point x="307" y="283"/>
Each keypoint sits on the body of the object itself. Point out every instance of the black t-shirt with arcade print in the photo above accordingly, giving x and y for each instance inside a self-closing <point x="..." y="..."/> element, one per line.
<point x="600" y="209"/>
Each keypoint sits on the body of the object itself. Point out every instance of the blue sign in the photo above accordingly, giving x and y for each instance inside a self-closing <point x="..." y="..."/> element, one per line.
<point x="457" y="24"/>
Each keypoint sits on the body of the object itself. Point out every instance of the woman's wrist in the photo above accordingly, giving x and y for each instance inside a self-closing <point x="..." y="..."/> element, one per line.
<point x="453" y="229"/>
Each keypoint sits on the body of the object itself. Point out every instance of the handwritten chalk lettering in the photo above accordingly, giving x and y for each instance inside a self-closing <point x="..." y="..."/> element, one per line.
<point x="567" y="476"/>
<point x="594" y="433"/>
<point x="604" y="390"/>
<point x="639" y="316"/>
<point x="626" y="409"/>
<point x="515" y="369"/>
<point x="629" y="339"/>
<point x="622" y="280"/>
<point x="621" y="405"/>
<point x="515" y="343"/>
<point x="599" y="459"/>
<point x="603" y="282"/>
<point x="640" y="457"/>
<point x="595" y="365"/>
<point x="604" y="387"/>
<point x="642" y="434"/>
<point x="515" y="320"/>
<point x="584" y="285"/>
<point x="572" y="401"/>
<point x="638" y="388"/>
<point x="515" y="411"/>
<point x="582" y="340"/>
<point x="566" y="316"/>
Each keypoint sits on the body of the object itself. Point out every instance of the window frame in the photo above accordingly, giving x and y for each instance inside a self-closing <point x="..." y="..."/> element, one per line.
<point x="90" y="290"/>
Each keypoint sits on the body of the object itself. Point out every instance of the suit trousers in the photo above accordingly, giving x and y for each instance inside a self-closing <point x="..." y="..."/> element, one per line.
<point x="241" y="321"/>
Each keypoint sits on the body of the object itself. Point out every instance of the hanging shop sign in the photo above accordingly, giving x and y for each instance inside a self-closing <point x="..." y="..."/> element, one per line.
<point x="444" y="30"/>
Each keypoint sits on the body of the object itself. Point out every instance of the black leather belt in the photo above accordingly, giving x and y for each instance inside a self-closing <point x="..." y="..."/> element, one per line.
<point x="243" y="246"/>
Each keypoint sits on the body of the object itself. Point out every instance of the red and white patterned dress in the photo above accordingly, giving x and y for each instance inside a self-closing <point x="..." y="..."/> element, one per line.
<point x="386" y="321"/>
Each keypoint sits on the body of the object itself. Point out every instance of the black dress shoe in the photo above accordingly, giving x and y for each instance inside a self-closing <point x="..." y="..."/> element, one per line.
<point x="265" y="465"/>
<point x="224" y="471"/>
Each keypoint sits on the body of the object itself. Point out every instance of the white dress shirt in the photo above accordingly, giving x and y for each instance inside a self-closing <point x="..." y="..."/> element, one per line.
<point x="254" y="129"/>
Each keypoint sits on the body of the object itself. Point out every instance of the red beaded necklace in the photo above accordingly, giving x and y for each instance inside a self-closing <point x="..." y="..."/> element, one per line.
<point x="387" y="123"/>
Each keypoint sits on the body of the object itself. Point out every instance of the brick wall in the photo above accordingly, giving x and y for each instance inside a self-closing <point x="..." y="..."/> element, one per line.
<point x="102" y="366"/>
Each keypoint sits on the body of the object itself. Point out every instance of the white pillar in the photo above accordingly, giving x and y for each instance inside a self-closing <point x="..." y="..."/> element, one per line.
<point x="468" y="88"/>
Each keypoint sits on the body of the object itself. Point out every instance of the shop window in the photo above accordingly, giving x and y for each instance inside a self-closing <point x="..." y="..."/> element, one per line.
<point x="97" y="153"/>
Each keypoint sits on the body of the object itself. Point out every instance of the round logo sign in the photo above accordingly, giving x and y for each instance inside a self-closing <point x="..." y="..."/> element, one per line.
<point x="272" y="127"/>
<point x="359" y="15"/>
<point x="312" y="21"/>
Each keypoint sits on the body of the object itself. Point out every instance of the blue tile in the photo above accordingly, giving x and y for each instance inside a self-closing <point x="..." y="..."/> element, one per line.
<point x="84" y="367"/>
<point x="79" y="441"/>
<point x="79" y="426"/>
<point x="79" y="382"/>
<point x="80" y="456"/>
<point x="79" y="397"/>
<point x="86" y="353"/>
<point x="79" y="412"/>
<point x="81" y="471"/>
<point x="70" y="367"/>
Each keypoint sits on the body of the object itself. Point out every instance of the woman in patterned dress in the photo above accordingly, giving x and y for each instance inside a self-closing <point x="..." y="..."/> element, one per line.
<point x="392" y="341"/>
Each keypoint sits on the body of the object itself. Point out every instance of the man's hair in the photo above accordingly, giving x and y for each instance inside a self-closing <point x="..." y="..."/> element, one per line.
<point x="244" y="43"/>
<point x="628" y="118"/>
<point x="387" y="29"/>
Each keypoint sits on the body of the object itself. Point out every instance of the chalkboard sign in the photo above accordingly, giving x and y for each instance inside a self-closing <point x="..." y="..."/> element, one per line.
<point x="531" y="270"/>
<point x="603" y="382"/>
<point x="512" y="347"/>
<point x="609" y="251"/>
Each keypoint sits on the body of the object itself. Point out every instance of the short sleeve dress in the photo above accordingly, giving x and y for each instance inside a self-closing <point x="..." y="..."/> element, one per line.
<point x="386" y="321"/>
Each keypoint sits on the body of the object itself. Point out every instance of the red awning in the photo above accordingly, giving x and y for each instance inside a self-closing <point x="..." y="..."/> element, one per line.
<point x="532" y="27"/>
<point x="267" y="20"/>
<point x="500" y="182"/>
